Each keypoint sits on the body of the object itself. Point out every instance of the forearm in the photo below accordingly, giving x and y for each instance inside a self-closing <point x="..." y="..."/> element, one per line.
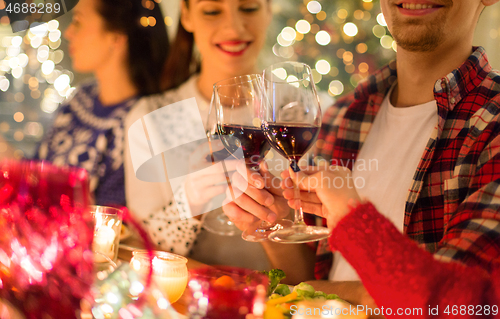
<point x="296" y="260"/>
<point x="397" y="273"/>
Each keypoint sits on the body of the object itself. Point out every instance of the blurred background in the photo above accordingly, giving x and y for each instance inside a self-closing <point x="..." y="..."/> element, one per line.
<point x="343" y="41"/>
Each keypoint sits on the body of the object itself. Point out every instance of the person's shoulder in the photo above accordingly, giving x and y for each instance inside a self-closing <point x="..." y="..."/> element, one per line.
<point x="489" y="90"/>
<point x="338" y="105"/>
<point x="492" y="81"/>
<point x="86" y="88"/>
<point x="150" y="103"/>
<point x="156" y="101"/>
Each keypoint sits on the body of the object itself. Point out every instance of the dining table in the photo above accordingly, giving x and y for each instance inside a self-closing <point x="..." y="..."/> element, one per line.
<point x="349" y="291"/>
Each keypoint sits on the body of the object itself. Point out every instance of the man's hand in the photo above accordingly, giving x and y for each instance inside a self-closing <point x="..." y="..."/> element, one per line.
<point x="328" y="192"/>
<point x="261" y="199"/>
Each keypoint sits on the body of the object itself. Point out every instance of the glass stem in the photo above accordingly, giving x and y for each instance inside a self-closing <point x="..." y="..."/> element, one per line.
<point x="256" y="168"/>
<point x="299" y="214"/>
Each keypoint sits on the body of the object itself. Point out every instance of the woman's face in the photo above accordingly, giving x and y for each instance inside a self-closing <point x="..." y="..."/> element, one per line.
<point x="228" y="33"/>
<point x="91" y="46"/>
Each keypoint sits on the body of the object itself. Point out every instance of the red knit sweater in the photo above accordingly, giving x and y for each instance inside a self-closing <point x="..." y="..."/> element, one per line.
<point x="399" y="275"/>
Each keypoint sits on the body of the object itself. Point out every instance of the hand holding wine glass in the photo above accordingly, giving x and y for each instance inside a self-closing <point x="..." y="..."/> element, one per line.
<point x="239" y="101"/>
<point x="234" y="122"/>
<point x="291" y="122"/>
<point x="216" y="221"/>
<point x="325" y="198"/>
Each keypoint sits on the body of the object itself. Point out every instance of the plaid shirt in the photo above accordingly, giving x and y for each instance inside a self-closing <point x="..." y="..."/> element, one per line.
<point x="453" y="205"/>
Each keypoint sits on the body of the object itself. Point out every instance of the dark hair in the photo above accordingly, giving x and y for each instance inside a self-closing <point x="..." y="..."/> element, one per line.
<point x="181" y="62"/>
<point x="148" y="46"/>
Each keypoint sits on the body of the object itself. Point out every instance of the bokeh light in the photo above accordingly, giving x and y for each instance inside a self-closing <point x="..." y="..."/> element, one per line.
<point x="381" y="19"/>
<point x="350" y="29"/>
<point x="62" y="82"/>
<point x="323" y="38"/>
<point x="336" y="87"/>
<point x="342" y="13"/>
<point x="48" y="67"/>
<point x="288" y="34"/>
<point x="314" y="7"/>
<point x="386" y="42"/>
<point x="303" y="26"/>
<point x="323" y="67"/>
<point x="18" y="117"/>
<point x="378" y="31"/>
<point x="361" y="48"/>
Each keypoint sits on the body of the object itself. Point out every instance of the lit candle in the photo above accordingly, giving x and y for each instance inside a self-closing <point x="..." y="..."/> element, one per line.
<point x="169" y="271"/>
<point x="104" y="240"/>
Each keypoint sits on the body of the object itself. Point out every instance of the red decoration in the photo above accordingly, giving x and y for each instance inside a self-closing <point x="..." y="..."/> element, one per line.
<point x="45" y="238"/>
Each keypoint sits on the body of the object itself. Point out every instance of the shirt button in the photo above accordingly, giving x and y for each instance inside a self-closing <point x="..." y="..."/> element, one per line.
<point x="443" y="85"/>
<point x="452" y="100"/>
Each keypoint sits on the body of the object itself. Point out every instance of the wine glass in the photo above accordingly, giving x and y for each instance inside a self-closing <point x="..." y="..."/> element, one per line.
<point x="216" y="221"/>
<point x="238" y="102"/>
<point x="291" y="122"/>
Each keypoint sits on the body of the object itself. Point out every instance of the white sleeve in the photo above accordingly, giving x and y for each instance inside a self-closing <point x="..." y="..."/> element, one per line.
<point x="153" y="203"/>
<point x="168" y="231"/>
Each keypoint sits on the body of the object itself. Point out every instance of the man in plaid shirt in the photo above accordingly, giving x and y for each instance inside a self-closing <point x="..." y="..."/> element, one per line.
<point x="452" y="205"/>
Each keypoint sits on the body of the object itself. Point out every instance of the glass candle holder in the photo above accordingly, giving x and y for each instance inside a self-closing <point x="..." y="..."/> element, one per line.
<point x="107" y="227"/>
<point x="224" y="292"/>
<point x="169" y="271"/>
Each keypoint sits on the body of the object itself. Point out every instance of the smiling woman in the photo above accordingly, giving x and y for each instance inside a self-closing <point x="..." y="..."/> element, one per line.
<point x="229" y="35"/>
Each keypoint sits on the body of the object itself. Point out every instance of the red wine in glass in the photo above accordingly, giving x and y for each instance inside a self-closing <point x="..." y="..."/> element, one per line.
<point x="292" y="140"/>
<point x="238" y="102"/>
<point x="291" y="122"/>
<point x="251" y="139"/>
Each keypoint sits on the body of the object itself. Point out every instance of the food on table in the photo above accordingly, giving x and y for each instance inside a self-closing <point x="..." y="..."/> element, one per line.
<point x="275" y="276"/>
<point x="281" y="298"/>
<point x="225" y="282"/>
<point x="222" y="292"/>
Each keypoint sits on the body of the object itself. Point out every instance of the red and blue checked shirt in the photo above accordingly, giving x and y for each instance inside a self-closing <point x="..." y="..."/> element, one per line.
<point x="453" y="205"/>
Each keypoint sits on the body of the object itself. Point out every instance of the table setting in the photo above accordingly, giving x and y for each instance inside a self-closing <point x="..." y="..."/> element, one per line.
<point x="61" y="257"/>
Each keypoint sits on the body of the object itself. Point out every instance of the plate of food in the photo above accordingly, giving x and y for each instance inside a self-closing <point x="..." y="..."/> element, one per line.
<point x="303" y="301"/>
<point x="125" y="232"/>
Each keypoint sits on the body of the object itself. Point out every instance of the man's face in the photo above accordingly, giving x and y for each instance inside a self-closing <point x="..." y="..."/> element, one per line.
<point x="421" y="25"/>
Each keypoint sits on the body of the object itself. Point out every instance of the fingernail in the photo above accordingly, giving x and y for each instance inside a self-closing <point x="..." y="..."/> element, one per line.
<point x="258" y="184"/>
<point x="271" y="217"/>
<point x="269" y="201"/>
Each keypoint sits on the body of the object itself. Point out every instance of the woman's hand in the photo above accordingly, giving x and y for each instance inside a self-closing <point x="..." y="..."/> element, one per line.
<point x="261" y="197"/>
<point x="206" y="180"/>
<point x="328" y="192"/>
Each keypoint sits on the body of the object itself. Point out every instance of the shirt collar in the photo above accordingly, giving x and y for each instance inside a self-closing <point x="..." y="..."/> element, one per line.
<point x="455" y="85"/>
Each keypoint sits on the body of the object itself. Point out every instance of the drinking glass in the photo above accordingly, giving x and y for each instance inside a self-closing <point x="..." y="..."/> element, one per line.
<point x="291" y="122"/>
<point x="238" y="102"/>
<point x="216" y="221"/>
<point x="224" y="292"/>
<point x="169" y="271"/>
<point x="107" y="227"/>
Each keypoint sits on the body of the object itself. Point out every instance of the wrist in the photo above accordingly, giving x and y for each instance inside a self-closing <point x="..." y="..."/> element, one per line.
<point x="352" y="205"/>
